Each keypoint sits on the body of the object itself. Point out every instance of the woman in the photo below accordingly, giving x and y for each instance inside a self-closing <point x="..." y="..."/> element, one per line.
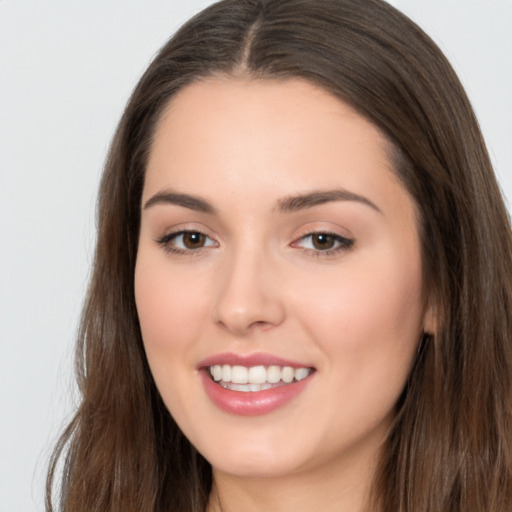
<point x="302" y="286"/>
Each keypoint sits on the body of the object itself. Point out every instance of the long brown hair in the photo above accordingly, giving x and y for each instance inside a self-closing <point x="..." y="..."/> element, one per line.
<point x="450" y="447"/>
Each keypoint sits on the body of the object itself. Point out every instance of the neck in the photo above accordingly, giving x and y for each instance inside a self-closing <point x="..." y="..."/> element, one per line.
<point x="325" y="489"/>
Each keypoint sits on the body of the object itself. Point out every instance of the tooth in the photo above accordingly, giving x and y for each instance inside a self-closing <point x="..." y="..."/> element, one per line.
<point x="239" y="374"/>
<point x="226" y="373"/>
<point x="257" y="375"/>
<point x="301" y="373"/>
<point x="273" y="374"/>
<point x="216" y="372"/>
<point x="238" y="387"/>
<point x="288" y="374"/>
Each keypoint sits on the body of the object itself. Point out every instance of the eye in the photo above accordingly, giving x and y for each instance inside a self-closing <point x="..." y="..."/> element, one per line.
<point x="186" y="241"/>
<point x="323" y="243"/>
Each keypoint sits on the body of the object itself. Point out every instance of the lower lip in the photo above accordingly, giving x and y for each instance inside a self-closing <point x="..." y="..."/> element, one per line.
<point x="251" y="403"/>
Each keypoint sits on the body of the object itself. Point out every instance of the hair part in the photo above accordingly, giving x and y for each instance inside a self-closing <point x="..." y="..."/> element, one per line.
<point x="449" y="449"/>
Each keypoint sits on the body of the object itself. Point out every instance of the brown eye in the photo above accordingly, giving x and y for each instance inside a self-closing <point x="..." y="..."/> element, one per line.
<point x="322" y="241"/>
<point x="193" y="240"/>
<point x="186" y="242"/>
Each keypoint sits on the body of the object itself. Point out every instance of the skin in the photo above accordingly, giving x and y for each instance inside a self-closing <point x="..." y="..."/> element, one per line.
<point x="258" y="284"/>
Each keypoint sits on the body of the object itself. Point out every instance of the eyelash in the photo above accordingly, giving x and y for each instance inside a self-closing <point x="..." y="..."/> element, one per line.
<point x="343" y="243"/>
<point x="166" y="242"/>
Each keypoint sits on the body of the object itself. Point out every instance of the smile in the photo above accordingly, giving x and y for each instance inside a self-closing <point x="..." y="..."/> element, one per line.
<point x="256" y="378"/>
<point x="252" y="385"/>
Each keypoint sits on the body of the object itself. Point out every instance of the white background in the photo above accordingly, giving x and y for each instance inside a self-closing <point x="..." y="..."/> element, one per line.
<point x="66" y="70"/>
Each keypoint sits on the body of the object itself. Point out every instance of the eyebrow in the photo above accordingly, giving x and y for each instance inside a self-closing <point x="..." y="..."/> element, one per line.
<point x="185" y="200"/>
<point x="286" y="205"/>
<point x="304" y="201"/>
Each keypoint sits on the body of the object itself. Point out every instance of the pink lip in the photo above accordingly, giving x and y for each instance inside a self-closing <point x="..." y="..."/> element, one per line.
<point x="250" y="403"/>
<point x="258" y="359"/>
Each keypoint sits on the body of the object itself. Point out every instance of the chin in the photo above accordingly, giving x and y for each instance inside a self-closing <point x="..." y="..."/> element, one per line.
<point x="256" y="467"/>
<point x="246" y="458"/>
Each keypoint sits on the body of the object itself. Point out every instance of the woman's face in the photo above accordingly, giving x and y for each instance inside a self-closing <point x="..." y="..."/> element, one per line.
<point x="279" y="252"/>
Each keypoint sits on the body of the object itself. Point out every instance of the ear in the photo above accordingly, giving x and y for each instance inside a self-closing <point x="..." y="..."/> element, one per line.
<point x="431" y="318"/>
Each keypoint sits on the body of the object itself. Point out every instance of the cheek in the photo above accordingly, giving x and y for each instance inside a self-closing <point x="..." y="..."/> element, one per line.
<point x="171" y="310"/>
<point x="171" y="306"/>
<point x="368" y="320"/>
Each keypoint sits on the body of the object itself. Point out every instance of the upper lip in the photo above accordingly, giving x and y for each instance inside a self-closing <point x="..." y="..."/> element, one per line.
<point x="248" y="360"/>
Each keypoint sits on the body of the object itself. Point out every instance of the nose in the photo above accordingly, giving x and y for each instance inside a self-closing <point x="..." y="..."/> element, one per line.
<point x="248" y="294"/>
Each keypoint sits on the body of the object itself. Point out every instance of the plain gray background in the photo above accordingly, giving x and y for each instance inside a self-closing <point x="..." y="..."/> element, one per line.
<point x="66" y="70"/>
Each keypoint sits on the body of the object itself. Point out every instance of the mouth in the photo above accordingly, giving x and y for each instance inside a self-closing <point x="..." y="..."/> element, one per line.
<point x="255" y="384"/>
<point x="256" y="378"/>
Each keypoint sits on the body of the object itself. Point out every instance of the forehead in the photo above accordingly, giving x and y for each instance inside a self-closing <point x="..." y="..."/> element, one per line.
<point x="266" y="136"/>
<point x="288" y="108"/>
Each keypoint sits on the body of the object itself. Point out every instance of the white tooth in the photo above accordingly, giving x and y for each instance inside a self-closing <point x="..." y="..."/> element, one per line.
<point x="254" y="387"/>
<point x="239" y="374"/>
<point x="301" y="373"/>
<point x="263" y="387"/>
<point x="216" y="372"/>
<point x="273" y="374"/>
<point x="239" y="387"/>
<point x="257" y="375"/>
<point x="288" y="374"/>
<point x="226" y="373"/>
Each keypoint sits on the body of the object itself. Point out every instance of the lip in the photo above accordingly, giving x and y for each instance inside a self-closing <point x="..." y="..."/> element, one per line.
<point x="257" y="359"/>
<point x="251" y="403"/>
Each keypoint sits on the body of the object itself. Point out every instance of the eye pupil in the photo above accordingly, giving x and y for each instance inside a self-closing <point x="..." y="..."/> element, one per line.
<point x="193" y="240"/>
<point x="322" y="241"/>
